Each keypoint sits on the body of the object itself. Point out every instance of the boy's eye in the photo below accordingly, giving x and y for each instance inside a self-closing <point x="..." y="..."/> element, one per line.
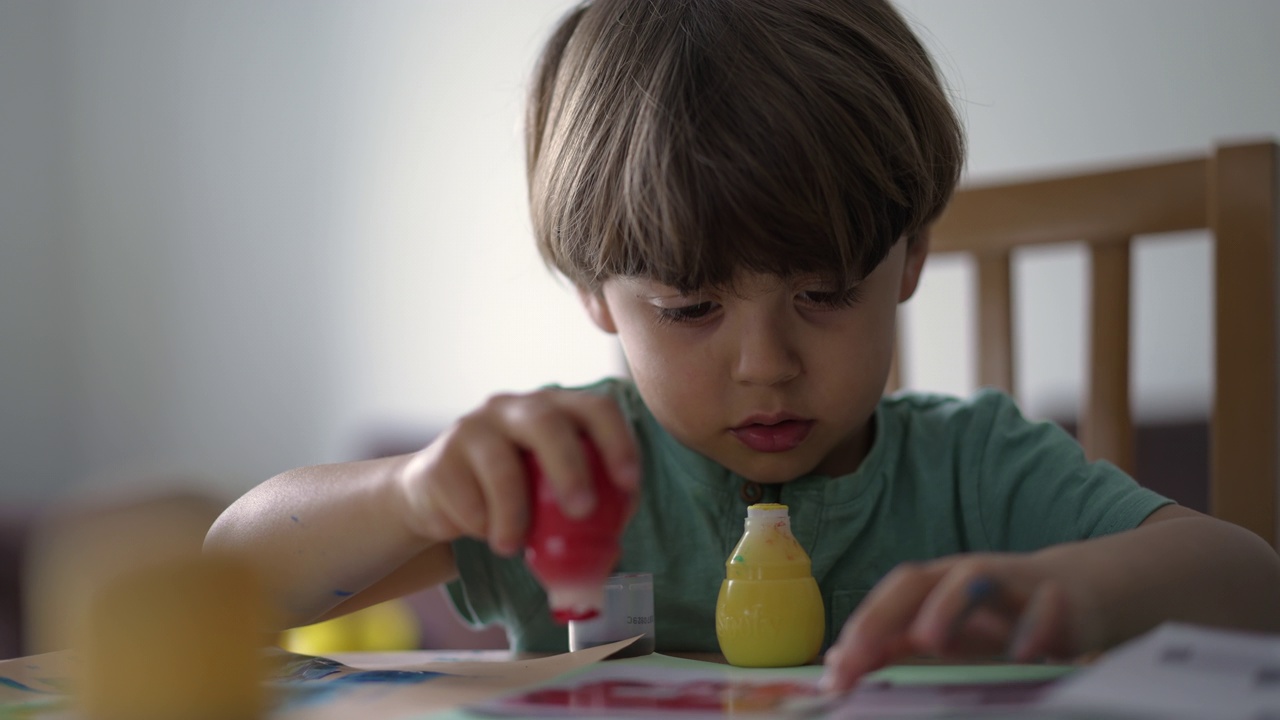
<point x="686" y="314"/>
<point x="831" y="298"/>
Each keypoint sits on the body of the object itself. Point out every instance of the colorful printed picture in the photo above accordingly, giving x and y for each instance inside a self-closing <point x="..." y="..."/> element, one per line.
<point x="669" y="693"/>
<point x="640" y="694"/>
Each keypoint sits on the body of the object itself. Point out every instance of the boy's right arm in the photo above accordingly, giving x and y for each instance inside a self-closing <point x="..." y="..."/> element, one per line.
<point x="321" y="536"/>
<point x="331" y="539"/>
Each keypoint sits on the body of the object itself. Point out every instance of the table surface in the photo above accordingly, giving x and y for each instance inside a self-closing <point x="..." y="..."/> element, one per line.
<point x="471" y="677"/>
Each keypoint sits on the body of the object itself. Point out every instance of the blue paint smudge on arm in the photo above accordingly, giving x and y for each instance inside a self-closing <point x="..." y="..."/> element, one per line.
<point x="343" y="593"/>
<point x="294" y="518"/>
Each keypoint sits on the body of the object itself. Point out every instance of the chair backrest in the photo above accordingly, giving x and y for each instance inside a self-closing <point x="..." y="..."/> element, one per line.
<point x="1231" y="192"/>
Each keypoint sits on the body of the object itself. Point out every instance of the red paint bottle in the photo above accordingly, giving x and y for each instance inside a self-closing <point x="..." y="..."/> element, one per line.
<point x="572" y="558"/>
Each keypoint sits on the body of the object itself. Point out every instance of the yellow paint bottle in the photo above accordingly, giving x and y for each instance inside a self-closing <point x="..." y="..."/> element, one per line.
<point x="769" y="613"/>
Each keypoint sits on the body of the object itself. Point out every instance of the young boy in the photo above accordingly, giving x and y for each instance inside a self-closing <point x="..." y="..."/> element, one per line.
<point x="741" y="191"/>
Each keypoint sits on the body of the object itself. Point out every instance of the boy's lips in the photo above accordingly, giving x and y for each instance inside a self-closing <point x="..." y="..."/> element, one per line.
<point x="772" y="435"/>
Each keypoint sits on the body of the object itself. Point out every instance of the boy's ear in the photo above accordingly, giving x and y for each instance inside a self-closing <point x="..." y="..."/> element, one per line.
<point x="917" y="249"/>
<point x="598" y="308"/>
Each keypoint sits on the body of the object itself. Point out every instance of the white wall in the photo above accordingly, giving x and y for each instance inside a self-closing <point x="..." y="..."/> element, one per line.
<point x="37" y="440"/>
<point x="204" y="194"/>
<point x="239" y="236"/>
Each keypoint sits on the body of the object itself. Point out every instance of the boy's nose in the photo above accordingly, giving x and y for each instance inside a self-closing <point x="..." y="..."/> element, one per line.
<point x="765" y="356"/>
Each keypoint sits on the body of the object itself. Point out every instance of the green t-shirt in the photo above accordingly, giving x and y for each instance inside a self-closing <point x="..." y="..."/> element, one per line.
<point x="943" y="476"/>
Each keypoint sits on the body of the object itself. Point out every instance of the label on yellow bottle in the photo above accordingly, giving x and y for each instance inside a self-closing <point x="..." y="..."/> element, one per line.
<point x="769" y="612"/>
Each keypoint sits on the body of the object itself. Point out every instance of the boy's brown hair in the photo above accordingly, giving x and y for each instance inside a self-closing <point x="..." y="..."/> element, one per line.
<point x="686" y="140"/>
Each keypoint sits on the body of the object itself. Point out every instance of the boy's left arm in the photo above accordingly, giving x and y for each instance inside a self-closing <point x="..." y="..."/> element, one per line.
<point x="1067" y="599"/>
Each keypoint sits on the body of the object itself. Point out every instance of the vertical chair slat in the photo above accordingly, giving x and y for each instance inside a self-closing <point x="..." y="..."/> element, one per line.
<point x="1244" y="467"/>
<point x="1106" y="424"/>
<point x="995" y="321"/>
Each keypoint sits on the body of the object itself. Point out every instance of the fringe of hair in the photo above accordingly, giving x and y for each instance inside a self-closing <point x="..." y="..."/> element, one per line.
<point x="689" y="140"/>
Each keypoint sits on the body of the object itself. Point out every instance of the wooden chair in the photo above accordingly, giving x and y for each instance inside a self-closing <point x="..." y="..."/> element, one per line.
<point x="1231" y="192"/>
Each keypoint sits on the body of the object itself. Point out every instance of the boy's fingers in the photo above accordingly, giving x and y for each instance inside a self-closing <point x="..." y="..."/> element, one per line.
<point x="551" y="434"/>
<point x="943" y="613"/>
<point x="565" y="467"/>
<point x="604" y="423"/>
<point x="439" y="527"/>
<point x="845" y="663"/>
<point x="895" y="602"/>
<point x="551" y="425"/>
<point x="1044" y="630"/>
<point x="502" y="480"/>
<point x="986" y="633"/>
<point x="433" y="508"/>
<point x="458" y="498"/>
<point x="432" y="521"/>
<point x="977" y="595"/>
<point x="877" y="633"/>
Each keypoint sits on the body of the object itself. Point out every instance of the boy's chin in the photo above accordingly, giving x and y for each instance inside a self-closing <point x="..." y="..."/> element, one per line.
<point x="773" y="468"/>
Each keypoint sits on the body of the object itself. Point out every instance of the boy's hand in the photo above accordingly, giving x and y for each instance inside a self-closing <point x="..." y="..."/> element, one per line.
<point x="470" y="481"/>
<point x="959" y="606"/>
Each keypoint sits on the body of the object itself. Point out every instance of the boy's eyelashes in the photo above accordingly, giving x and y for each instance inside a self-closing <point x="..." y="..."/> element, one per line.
<point x="832" y="298"/>
<point x="685" y="314"/>
<point x="819" y="299"/>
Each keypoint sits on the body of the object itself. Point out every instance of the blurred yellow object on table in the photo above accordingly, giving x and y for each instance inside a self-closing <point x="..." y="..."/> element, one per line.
<point x="385" y="627"/>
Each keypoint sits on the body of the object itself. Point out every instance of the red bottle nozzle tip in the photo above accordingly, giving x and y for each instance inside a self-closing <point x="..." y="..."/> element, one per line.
<point x="564" y="616"/>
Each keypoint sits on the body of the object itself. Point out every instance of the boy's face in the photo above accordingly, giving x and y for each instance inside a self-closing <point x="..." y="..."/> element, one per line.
<point x="775" y="379"/>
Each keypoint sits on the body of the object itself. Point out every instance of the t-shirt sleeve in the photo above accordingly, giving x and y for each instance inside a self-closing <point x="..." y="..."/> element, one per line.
<point x="1033" y="487"/>
<point x="477" y="591"/>
<point x="493" y="589"/>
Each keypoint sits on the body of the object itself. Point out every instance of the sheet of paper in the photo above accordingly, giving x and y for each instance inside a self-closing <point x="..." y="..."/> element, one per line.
<point x="627" y="691"/>
<point x="35" y="681"/>
<point x="465" y="683"/>
<point x="661" y="686"/>
<point x="307" y="688"/>
<point x="1182" y="671"/>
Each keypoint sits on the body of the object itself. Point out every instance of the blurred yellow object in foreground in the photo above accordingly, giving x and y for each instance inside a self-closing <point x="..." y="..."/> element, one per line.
<point x="180" y="639"/>
<point x="161" y="631"/>
<point x="387" y="626"/>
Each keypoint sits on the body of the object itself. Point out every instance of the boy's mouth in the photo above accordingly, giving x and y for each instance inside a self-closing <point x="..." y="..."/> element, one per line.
<point x="772" y="435"/>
